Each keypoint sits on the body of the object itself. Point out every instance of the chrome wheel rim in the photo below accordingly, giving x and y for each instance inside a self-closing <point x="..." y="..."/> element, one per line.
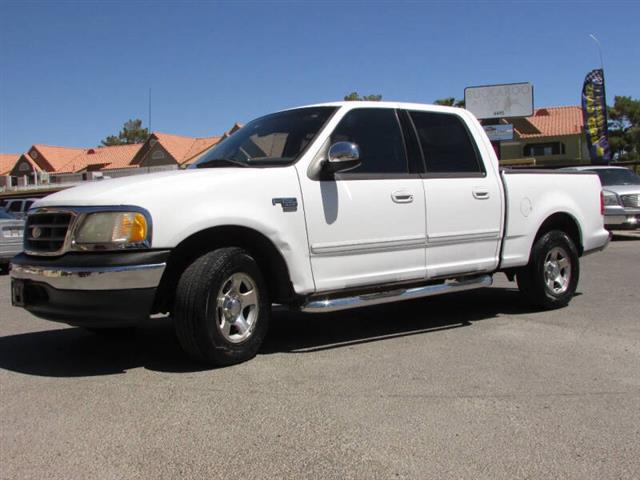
<point x="557" y="270"/>
<point x="237" y="305"/>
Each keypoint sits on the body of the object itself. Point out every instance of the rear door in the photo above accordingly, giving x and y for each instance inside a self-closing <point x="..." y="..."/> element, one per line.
<point x="463" y="199"/>
<point x="367" y="226"/>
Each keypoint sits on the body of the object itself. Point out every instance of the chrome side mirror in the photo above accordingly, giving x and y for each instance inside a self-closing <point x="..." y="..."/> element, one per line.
<point x="342" y="156"/>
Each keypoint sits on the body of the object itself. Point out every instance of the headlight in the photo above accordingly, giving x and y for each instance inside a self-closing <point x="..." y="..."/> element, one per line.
<point x="112" y="230"/>
<point x="610" y="198"/>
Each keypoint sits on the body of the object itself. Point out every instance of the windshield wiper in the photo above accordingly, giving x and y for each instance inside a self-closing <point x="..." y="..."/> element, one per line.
<point x="224" y="161"/>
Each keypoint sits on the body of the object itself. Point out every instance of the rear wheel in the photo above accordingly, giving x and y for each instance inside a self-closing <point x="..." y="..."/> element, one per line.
<point x="551" y="277"/>
<point x="222" y="308"/>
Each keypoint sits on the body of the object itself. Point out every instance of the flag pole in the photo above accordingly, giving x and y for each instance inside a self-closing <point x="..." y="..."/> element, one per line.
<point x="604" y="92"/>
<point x="595" y="39"/>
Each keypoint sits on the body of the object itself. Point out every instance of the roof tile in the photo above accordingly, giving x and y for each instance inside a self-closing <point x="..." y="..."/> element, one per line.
<point x="551" y="122"/>
<point x="184" y="148"/>
<point x="7" y="161"/>
<point x="115" y="156"/>
<point x="54" y="158"/>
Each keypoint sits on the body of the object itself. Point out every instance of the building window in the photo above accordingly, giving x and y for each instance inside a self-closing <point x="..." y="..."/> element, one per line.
<point x="544" y="149"/>
<point x="157" y="155"/>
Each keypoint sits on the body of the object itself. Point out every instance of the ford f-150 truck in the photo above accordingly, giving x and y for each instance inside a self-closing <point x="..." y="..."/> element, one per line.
<point x="320" y="208"/>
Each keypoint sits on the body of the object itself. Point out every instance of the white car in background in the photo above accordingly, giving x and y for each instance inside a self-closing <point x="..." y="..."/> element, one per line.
<point x="17" y="207"/>
<point x="621" y="189"/>
<point x="11" y="231"/>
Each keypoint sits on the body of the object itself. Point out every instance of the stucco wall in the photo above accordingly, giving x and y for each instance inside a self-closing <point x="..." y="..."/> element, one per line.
<point x="574" y="145"/>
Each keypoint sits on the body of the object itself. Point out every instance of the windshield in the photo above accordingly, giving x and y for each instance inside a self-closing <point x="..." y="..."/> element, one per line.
<point x="617" y="176"/>
<point x="5" y="216"/>
<point x="276" y="139"/>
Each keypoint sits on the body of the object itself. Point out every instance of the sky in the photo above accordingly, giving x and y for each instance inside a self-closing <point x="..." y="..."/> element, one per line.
<point x="72" y="72"/>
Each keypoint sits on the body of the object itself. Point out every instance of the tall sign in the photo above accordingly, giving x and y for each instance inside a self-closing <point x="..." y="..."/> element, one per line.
<point x="500" y="101"/>
<point x="495" y="102"/>
<point x="594" y="112"/>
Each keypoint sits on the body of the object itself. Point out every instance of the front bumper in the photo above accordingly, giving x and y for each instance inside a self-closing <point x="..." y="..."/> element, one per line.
<point x="629" y="221"/>
<point x="617" y="217"/>
<point x="9" y="249"/>
<point x="106" y="289"/>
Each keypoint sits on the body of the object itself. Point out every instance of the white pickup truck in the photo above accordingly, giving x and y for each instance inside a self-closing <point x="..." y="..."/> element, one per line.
<point x="321" y="208"/>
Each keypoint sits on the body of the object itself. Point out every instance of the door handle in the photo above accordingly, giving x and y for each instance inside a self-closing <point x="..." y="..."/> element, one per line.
<point x="480" y="194"/>
<point x="402" y="197"/>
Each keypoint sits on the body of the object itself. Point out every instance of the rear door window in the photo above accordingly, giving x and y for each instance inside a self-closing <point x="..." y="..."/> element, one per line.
<point x="446" y="144"/>
<point x="15" y="206"/>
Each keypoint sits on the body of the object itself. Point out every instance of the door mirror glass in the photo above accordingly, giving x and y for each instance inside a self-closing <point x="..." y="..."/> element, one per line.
<point x="342" y="156"/>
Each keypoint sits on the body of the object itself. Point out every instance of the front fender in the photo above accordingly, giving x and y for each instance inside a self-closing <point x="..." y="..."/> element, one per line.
<point x="250" y="207"/>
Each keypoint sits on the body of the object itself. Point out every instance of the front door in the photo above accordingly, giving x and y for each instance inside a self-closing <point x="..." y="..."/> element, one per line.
<point x="367" y="226"/>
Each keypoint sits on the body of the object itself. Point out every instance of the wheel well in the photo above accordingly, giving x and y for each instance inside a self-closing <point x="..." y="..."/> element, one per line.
<point x="565" y="223"/>
<point x="269" y="259"/>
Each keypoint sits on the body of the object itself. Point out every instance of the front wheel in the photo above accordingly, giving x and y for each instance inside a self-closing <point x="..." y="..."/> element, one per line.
<point x="222" y="307"/>
<point x="551" y="278"/>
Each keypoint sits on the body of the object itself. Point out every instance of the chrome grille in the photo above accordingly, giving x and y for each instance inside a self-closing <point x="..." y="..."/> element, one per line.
<point x="45" y="233"/>
<point x="12" y="231"/>
<point x="632" y="201"/>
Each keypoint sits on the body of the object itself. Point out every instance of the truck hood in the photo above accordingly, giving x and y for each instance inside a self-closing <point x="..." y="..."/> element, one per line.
<point x="177" y="187"/>
<point x="622" y="189"/>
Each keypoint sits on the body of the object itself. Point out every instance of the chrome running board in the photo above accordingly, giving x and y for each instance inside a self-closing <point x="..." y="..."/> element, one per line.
<point x="324" y="303"/>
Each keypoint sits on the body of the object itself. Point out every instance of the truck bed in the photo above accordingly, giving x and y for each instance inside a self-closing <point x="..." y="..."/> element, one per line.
<point x="535" y="195"/>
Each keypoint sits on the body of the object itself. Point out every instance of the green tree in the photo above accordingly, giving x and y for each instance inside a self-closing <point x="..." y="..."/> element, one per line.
<point x="132" y="132"/>
<point x="449" y="102"/>
<point x="353" y="96"/>
<point x="624" y="128"/>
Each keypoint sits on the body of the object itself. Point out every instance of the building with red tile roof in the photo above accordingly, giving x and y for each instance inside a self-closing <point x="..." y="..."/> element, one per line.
<point x="55" y="159"/>
<point x="51" y="158"/>
<point x="159" y="149"/>
<point x="551" y="136"/>
<point x="551" y="122"/>
<point x="168" y="149"/>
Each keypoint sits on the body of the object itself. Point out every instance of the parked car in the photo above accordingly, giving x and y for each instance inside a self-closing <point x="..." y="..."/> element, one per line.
<point x="621" y="189"/>
<point x="18" y="207"/>
<point x="320" y="208"/>
<point x="11" y="231"/>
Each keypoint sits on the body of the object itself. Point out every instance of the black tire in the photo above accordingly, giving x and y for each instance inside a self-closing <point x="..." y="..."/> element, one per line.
<point x="537" y="283"/>
<point x="199" y="319"/>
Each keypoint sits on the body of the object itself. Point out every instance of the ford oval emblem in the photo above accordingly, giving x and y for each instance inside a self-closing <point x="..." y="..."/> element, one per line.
<point x="36" y="232"/>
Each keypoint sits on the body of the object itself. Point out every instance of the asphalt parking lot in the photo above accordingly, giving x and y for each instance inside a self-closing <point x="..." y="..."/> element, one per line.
<point x="471" y="385"/>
